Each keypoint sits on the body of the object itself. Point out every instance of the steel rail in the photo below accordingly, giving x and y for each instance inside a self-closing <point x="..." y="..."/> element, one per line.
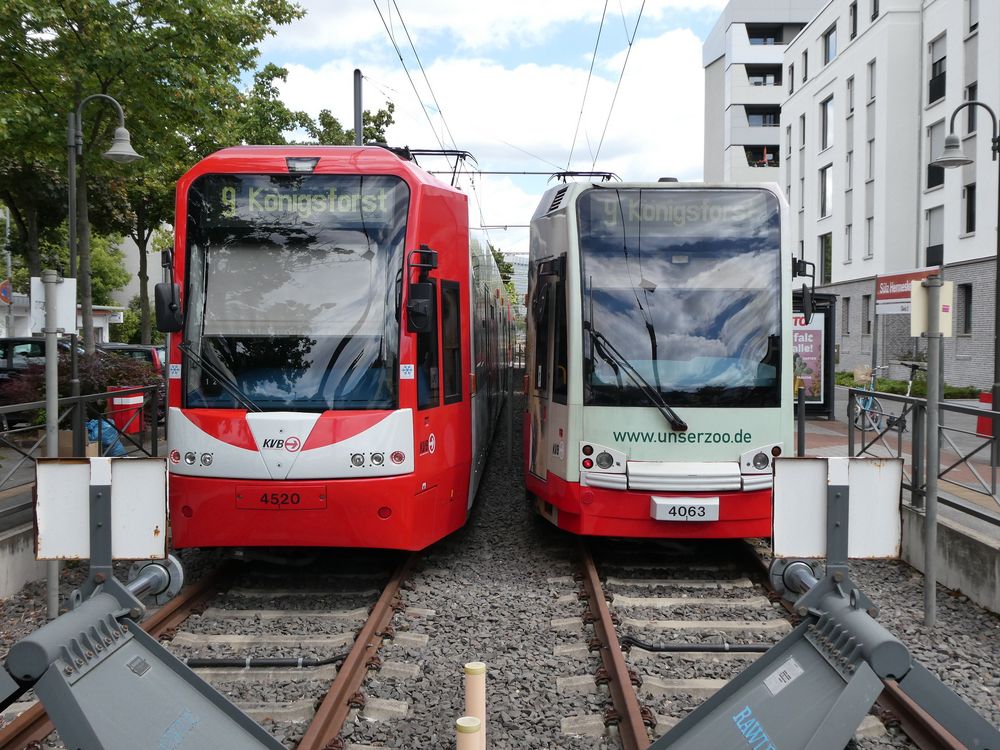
<point x="27" y="731"/>
<point x="329" y="719"/>
<point x="922" y="728"/>
<point x="631" y="728"/>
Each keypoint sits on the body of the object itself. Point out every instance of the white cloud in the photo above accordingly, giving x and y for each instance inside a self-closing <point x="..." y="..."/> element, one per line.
<point x="477" y="25"/>
<point x="522" y="117"/>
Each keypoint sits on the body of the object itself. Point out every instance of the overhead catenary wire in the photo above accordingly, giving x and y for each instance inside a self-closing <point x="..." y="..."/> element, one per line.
<point x="590" y="73"/>
<point x="402" y="62"/>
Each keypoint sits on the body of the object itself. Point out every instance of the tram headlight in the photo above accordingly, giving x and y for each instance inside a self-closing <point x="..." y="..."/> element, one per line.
<point x="760" y="461"/>
<point x="206" y="459"/>
<point x="604" y="460"/>
<point x="190" y="458"/>
<point x="588" y="463"/>
<point x="587" y="450"/>
<point x="357" y="459"/>
<point x="397" y="457"/>
<point x="378" y="459"/>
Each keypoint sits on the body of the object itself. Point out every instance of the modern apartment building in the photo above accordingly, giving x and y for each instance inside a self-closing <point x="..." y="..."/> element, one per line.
<point x="870" y="89"/>
<point x="744" y="85"/>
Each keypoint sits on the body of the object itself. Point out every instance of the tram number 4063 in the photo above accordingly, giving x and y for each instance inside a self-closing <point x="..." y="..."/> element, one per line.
<point x="685" y="509"/>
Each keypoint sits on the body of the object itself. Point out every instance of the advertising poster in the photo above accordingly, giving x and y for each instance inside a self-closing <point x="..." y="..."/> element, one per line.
<point x="807" y="357"/>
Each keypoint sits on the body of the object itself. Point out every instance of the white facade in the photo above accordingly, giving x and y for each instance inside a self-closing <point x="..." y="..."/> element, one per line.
<point x="855" y="112"/>
<point x="886" y="94"/>
<point x="743" y="60"/>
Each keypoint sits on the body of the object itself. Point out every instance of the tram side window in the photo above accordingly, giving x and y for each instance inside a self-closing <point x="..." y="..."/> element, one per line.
<point x="560" y="369"/>
<point x="428" y="389"/>
<point x="540" y="308"/>
<point x="451" y="342"/>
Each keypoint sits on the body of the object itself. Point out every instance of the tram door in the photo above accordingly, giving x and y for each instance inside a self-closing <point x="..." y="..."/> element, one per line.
<point x="549" y="379"/>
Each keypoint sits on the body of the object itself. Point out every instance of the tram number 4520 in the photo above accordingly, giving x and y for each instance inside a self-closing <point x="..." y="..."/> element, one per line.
<point x="280" y="498"/>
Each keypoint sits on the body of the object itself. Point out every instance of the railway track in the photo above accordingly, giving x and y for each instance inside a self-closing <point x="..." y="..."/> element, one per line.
<point x="290" y="649"/>
<point x="671" y="631"/>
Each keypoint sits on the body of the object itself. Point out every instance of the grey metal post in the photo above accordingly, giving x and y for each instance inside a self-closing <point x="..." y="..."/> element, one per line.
<point x="359" y="126"/>
<point x="50" y="279"/>
<point x="933" y="460"/>
<point x="800" y="422"/>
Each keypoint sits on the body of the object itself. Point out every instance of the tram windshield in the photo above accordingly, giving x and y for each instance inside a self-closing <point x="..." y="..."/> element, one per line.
<point x="293" y="291"/>
<point x="687" y="286"/>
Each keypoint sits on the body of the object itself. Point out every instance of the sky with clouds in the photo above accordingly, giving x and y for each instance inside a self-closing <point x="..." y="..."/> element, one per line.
<point x="517" y="83"/>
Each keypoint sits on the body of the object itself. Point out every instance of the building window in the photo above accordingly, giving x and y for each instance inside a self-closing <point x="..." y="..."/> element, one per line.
<point x="935" y="236"/>
<point x="848" y="243"/>
<point x="972" y="13"/>
<point x="852" y="15"/>
<point x="936" y="84"/>
<point x="935" y="145"/>
<point x="963" y="305"/>
<point x="870" y="160"/>
<point x="874" y="9"/>
<point x="850" y="96"/>
<point x="802" y="250"/>
<point x="764" y="33"/>
<point x="849" y="169"/>
<point x="830" y="45"/>
<point x="764" y="75"/>
<point x="971" y="94"/>
<point x="871" y="80"/>
<point x="802" y="131"/>
<point x="845" y="316"/>
<point x="826" y="123"/>
<point x="870" y="237"/>
<point x="805" y="65"/>
<point x="761" y="156"/>
<point x="763" y="117"/>
<point x="826" y="258"/>
<point x="866" y="314"/>
<point x="788" y="193"/>
<point x="788" y="140"/>
<point x="802" y="193"/>
<point x="825" y="190"/>
<point x="969" y="197"/>
<point x="791" y="78"/>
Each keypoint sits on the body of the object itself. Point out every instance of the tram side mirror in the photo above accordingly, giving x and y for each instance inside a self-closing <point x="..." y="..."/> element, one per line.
<point x="420" y="312"/>
<point x="167" y="303"/>
<point x="808" y="304"/>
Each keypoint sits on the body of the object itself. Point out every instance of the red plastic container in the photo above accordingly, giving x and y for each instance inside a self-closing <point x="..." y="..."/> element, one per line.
<point x="126" y="411"/>
<point x="984" y="425"/>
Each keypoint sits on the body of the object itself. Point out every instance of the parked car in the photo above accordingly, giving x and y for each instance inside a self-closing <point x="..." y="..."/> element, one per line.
<point x="144" y="352"/>
<point x="18" y="353"/>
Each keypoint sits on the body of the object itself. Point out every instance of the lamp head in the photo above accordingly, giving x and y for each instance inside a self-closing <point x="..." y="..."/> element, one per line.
<point x="121" y="149"/>
<point x="952" y="156"/>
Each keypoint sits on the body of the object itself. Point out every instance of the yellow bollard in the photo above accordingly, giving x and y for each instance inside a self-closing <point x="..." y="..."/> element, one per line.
<point x="475" y="696"/>
<point x="467" y="733"/>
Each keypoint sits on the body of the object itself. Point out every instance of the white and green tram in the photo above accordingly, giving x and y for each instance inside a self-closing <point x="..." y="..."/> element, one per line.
<point x="659" y="358"/>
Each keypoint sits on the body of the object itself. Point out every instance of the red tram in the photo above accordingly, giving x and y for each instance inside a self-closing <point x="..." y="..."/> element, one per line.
<point x="339" y="354"/>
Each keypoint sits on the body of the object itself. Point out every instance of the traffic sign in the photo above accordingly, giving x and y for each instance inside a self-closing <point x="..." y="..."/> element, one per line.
<point x="6" y="292"/>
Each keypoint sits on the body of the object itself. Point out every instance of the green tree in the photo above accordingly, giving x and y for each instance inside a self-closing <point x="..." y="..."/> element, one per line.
<point x="172" y="67"/>
<point x="506" y="273"/>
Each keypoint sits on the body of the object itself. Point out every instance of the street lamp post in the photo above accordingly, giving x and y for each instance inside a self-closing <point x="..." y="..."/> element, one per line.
<point x="121" y="151"/>
<point x="952" y="156"/>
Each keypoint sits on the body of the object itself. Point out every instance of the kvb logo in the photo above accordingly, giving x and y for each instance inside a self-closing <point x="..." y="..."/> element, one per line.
<point x="290" y="444"/>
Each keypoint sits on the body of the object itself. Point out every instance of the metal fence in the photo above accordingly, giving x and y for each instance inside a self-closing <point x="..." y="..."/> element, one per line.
<point x="93" y="421"/>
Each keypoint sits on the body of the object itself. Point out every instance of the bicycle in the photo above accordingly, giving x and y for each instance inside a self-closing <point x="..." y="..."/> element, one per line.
<point x="866" y="411"/>
<point x="899" y="422"/>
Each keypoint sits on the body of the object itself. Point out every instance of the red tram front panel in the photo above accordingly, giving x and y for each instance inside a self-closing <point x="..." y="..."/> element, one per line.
<point x="303" y="411"/>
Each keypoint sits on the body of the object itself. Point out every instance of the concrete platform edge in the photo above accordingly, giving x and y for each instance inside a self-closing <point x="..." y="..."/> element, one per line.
<point x="17" y="559"/>
<point x="967" y="561"/>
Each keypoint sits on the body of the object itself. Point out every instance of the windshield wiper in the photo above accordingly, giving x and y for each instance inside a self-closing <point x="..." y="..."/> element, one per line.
<point x="234" y="390"/>
<point x="608" y="352"/>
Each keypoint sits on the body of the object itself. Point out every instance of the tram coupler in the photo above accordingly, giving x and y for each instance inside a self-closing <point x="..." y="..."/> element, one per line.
<point x="105" y="683"/>
<point x="812" y="689"/>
